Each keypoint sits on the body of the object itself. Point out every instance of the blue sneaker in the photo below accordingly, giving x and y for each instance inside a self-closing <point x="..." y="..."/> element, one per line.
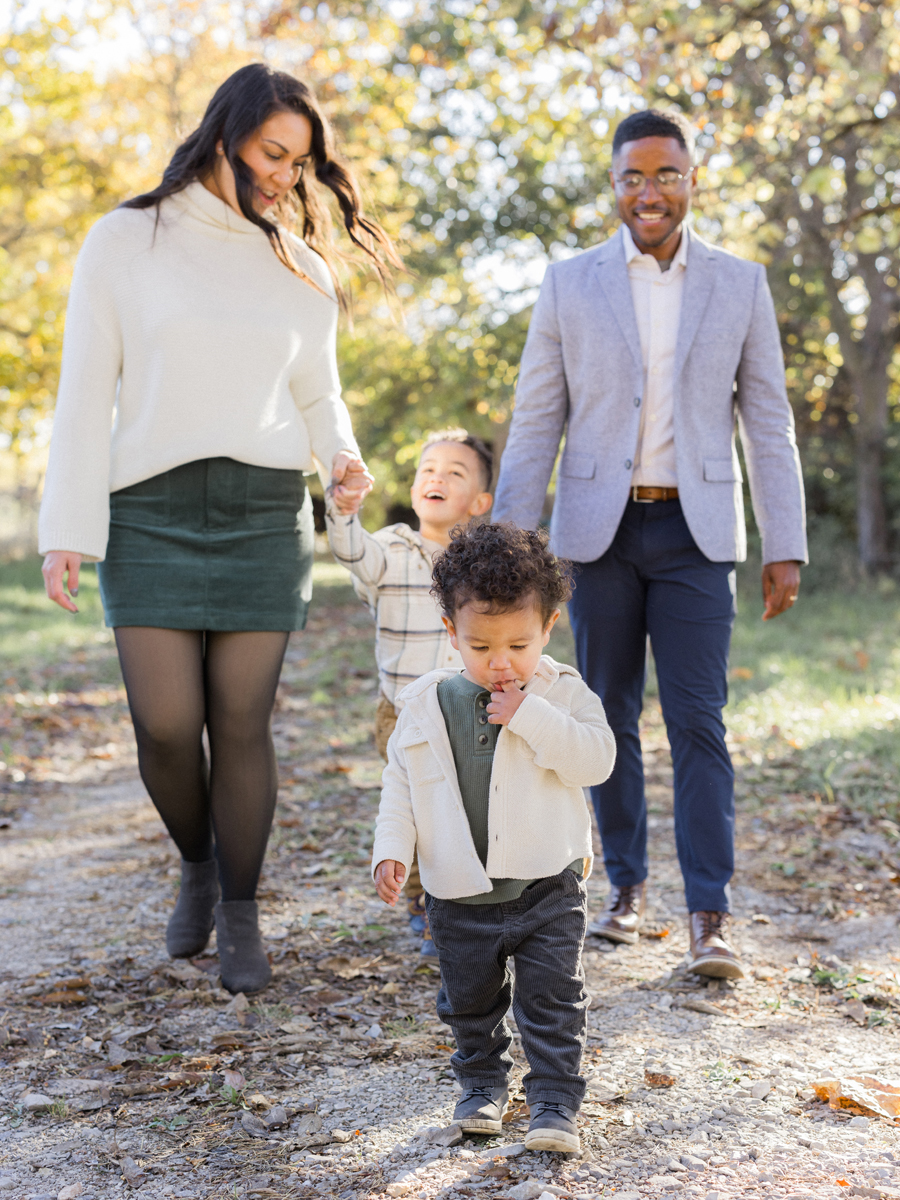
<point x="428" y="949"/>
<point x="418" y="921"/>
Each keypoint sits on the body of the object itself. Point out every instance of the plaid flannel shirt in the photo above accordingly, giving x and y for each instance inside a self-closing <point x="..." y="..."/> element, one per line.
<point x="391" y="572"/>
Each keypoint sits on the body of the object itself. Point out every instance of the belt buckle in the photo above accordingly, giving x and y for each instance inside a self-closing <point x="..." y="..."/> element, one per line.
<point x="638" y="499"/>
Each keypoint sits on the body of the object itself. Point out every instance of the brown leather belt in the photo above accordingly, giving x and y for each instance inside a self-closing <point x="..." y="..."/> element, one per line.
<point x="646" y="495"/>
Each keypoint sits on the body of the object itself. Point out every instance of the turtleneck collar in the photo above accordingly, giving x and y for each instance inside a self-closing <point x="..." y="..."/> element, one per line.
<point x="201" y="204"/>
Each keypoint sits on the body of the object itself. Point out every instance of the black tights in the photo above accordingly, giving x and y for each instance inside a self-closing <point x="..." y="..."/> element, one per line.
<point x="177" y="681"/>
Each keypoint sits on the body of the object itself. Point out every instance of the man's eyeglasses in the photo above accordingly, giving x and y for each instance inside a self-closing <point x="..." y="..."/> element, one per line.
<point x="633" y="182"/>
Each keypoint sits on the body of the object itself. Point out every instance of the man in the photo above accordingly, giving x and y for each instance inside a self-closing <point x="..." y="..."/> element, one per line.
<point x="643" y="351"/>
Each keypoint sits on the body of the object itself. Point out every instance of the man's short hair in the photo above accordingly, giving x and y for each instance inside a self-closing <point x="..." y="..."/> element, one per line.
<point x="485" y="455"/>
<point x="655" y="122"/>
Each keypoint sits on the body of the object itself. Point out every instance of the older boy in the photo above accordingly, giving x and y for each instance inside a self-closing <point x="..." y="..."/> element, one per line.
<point x="485" y="780"/>
<point x="392" y="572"/>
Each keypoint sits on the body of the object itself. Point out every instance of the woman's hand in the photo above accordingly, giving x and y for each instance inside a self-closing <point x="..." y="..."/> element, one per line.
<point x="58" y="564"/>
<point x="351" y="482"/>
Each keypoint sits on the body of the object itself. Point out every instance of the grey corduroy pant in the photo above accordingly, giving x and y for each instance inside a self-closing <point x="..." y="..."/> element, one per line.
<point x="543" y="933"/>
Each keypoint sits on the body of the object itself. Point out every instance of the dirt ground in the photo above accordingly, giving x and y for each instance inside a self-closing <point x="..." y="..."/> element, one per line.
<point x="122" y="1071"/>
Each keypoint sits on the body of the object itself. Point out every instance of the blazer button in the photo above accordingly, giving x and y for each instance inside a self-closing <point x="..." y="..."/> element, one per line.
<point x="482" y="739"/>
<point x="637" y="402"/>
<point x="627" y="464"/>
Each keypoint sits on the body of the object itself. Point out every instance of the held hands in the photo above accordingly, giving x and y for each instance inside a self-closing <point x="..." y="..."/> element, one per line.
<point x="351" y="482"/>
<point x="780" y="584"/>
<point x="389" y="876"/>
<point x="505" y="704"/>
<point x="57" y="565"/>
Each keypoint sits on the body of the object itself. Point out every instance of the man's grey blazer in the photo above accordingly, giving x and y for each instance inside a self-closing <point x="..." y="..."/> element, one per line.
<point x="582" y="376"/>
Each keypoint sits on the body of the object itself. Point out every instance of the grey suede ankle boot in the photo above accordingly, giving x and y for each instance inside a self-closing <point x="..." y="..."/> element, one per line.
<point x="192" y="921"/>
<point x="242" y="958"/>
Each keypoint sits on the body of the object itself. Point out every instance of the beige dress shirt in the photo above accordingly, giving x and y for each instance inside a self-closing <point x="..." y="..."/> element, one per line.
<point x="656" y="295"/>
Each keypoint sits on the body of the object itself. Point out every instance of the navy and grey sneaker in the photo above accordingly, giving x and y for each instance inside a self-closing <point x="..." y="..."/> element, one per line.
<point x="481" y="1109"/>
<point x="553" y="1127"/>
<point x="418" y="920"/>
<point x="428" y="948"/>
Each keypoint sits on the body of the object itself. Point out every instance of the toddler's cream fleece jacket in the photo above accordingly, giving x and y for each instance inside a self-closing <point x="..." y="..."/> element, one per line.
<point x="558" y="743"/>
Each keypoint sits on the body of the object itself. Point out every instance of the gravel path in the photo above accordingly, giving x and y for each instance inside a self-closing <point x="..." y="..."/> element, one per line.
<point x="120" y="1070"/>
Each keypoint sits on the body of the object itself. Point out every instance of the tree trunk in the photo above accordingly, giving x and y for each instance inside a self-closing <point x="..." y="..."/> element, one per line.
<point x="871" y="522"/>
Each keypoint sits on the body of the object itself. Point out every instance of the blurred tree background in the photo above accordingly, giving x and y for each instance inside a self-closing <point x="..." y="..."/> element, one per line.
<point x="481" y="132"/>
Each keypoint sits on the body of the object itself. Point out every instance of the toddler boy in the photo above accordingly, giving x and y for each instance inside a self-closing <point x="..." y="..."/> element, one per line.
<point x="484" y="781"/>
<point x="391" y="571"/>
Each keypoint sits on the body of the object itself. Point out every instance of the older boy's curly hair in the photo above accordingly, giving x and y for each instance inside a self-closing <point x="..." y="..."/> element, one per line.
<point x="500" y="567"/>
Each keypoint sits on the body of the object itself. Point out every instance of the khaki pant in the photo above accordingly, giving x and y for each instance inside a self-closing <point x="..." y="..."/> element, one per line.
<point x="385" y="720"/>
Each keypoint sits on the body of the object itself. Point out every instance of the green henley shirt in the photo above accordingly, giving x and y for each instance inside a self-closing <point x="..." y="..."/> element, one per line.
<point x="473" y="741"/>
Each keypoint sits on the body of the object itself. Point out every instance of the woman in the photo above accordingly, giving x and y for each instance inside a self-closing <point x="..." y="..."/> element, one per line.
<point x="199" y="381"/>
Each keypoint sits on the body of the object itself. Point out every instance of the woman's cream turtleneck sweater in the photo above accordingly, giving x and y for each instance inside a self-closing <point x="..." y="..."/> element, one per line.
<point x="186" y="339"/>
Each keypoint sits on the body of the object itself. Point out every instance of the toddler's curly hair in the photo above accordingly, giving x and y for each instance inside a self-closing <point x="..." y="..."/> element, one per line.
<point x="500" y="567"/>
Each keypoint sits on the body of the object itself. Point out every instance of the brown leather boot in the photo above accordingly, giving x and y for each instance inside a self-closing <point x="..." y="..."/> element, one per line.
<point x="623" y="916"/>
<point x="711" y="953"/>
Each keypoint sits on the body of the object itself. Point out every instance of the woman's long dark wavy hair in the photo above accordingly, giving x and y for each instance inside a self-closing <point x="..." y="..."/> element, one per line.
<point x="243" y="102"/>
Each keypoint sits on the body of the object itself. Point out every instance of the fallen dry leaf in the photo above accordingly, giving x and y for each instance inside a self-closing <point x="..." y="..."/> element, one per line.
<point x="251" y="1124"/>
<point x="134" y="1175"/>
<point x="234" y="1038"/>
<point x="234" y="1079"/>
<point x="659" y="1079"/>
<point x="857" y="1011"/>
<point x="498" y="1171"/>
<point x="860" y="1093"/>
<point x="119" y="1055"/>
<point x="64" y="998"/>
<point x="297" y="1025"/>
<point x="695" y="1004"/>
<point x="310" y="1122"/>
<point x="346" y="966"/>
<point x="276" y="1117"/>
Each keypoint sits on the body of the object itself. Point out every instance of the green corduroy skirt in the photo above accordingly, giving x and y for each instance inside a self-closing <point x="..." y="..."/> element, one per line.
<point x="214" y="545"/>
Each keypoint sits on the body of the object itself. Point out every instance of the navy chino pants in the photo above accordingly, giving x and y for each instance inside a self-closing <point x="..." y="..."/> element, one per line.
<point x="654" y="579"/>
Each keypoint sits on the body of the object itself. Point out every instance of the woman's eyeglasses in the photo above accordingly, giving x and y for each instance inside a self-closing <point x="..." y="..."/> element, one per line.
<point x="633" y="182"/>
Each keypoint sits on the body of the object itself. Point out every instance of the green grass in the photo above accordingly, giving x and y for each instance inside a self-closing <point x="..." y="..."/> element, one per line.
<point x="815" y="695"/>
<point x="42" y="647"/>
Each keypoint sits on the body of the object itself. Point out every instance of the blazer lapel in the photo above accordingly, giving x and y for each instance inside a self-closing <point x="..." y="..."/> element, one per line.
<point x="699" y="278"/>
<point x="612" y="271"/>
